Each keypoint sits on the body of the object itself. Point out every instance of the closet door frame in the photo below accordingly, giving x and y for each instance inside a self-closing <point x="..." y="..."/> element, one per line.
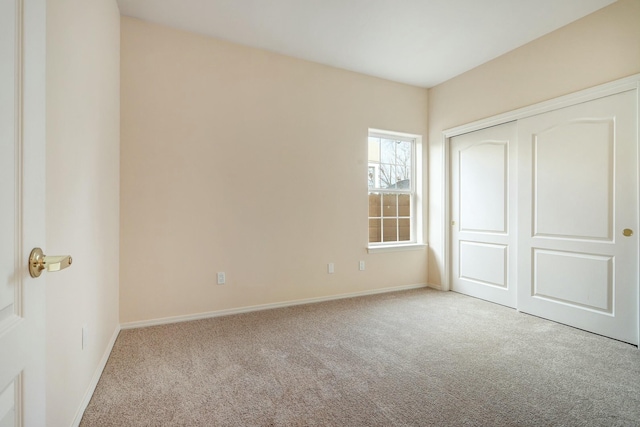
<point x="631" y="83"/>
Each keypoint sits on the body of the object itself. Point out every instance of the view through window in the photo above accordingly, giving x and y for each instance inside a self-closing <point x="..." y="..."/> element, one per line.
<point x="391" y="169"/>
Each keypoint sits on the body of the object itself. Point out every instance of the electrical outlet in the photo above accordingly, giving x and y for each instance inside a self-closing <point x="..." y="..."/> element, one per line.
<point x="361" y="266"/>
<point x="85" y="336"/>
<point x="221" y="278"/>
<point x="330" y="268"/>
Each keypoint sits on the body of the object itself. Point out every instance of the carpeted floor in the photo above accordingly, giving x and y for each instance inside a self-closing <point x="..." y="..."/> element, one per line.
<point x="412" y="358"/>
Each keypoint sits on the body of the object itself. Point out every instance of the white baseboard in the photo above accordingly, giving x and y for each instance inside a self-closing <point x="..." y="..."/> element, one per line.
<point x="434" y="286"/>
<point x="227" y="312"/>
<point x="96" y="377"/>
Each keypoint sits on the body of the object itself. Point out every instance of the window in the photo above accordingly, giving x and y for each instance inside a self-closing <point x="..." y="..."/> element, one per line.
<point x="392" y="188"/>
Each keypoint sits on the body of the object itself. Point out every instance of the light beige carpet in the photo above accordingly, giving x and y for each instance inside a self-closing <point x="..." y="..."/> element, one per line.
<point x="414" y="358"/>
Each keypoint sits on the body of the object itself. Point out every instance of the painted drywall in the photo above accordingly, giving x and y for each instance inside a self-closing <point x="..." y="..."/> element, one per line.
<point x="599" y="48"/>
<point x="82" y="203"/>
<point x="239" y="160"/>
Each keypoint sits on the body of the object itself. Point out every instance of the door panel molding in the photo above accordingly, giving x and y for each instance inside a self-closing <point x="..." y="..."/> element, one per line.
<point x="552" y="150"/>
<point x="482" y="273"/>
<point x="469" y="187"/>
<point x="574" y="264"/>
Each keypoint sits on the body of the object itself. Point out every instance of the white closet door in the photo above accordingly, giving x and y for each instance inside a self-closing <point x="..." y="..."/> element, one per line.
<point x="483" y="167"/>
<point x="578" y="193"/>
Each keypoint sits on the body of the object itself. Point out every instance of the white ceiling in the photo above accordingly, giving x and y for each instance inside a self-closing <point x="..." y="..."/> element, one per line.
<point x="419" y="42"/>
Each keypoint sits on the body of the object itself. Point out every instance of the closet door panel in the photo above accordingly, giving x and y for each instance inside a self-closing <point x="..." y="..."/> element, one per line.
<point x="578" y="188"/>
<point x="483" y="219"/>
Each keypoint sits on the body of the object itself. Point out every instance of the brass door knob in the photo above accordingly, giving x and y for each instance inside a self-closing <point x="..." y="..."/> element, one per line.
<point x="38" y="262"/>
<point x="627" y="232"/>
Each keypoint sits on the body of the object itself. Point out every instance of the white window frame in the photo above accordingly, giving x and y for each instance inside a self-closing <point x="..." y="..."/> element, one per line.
<point x="415" y="191"/>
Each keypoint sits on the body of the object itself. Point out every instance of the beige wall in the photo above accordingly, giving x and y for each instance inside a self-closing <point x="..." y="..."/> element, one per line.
<point x="82" y="213"/>
<point x="601" y="47"/>
<point x="239" y="160"/>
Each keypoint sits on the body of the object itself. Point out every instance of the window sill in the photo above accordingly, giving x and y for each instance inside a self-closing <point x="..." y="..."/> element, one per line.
<point x="396" y="248"/>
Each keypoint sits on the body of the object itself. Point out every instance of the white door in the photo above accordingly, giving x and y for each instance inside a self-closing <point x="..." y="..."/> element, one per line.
<point x="578" y="192"/>
<point x="483" y="190"/>
<point x="22" y="204"/>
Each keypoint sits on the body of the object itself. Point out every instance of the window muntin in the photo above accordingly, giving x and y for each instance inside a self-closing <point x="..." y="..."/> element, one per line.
<point x="391" y="182"/>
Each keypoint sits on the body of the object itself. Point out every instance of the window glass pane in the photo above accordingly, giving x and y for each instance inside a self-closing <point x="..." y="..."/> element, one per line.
<point x="374" y="204"/>
<point x="386" y="174"/>
<point x="374" y="150"/>
<point x="403" y="152"/>
<point x="390" y="230"/>
<point x="403" y="176"/>
<point x="393" y="181"/>
<point x="389" y="205"/>
<point x="404" y="205"/>
<point x="404" y="229"/>
<point x="372" y="177"/>
<point x="388" y="151"/>
<point x="399" y="182"/>
<point x="390" y="163"/>
<point x="403" y="162"/>
<point x="374" y="231"/>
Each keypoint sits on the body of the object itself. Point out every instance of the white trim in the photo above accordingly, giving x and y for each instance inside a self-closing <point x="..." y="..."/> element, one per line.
<point x="240" y="310"/>
<point x="434" y="286"/>
<point x="446" y="218"/>
<point x="396" y="248"/>
<point x="381" y="133"/>
<point x="96" y="377"/>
